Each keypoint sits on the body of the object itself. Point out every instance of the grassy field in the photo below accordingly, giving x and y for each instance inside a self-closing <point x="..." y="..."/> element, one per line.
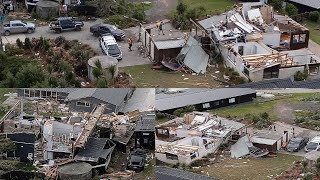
<point x="245" y="169"/>
<point x="144" y="76"/>
<point x="211" y="6"/>
<point x="314" y="33"/>
<point x="4" y="91"/>
<point x="257" y="107"/>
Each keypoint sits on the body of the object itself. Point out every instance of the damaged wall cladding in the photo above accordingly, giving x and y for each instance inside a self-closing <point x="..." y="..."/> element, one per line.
<point x="92" y="102"/>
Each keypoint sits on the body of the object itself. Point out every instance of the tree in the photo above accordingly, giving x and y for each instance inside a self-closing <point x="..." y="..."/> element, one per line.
<point x="102" y="83"/>
<point x="314" y="16"/>
<point x="181" y="8"/>
<point x="291" y="9"/>
<point x="29" y="76"/>
<point x="277" y="4"/>
<point x="6" y="145"/>
<point x="112" y="69"/>
<point x="304" y="165"/>
<point x="27" y="43"/>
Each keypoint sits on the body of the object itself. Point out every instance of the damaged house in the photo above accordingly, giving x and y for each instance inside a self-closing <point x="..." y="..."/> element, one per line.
<point x="202" y="99"/>
<point x="97" y="151"/>
<point x="183" y="140"/>
<point x="82" y="99"/>
<point x="174" y="50"/>
<point x="144" y="132"/>
<point x="258" y="43"/>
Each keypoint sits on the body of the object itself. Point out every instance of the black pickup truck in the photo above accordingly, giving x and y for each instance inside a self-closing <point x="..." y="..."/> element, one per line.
<point x="65" y="23"/>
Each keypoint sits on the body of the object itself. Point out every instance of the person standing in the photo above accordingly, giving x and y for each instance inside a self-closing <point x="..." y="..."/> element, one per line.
<point x="130" y="43"/>
<point x="161" y="28"/>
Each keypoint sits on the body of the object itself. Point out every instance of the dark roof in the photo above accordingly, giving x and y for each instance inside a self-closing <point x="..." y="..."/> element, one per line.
<point x="146" y="123"/>
<point x="281" y="83"/>
<point x="95" y="148"/>
<point x="166" y="173"/>
<point x="166" y="101"/>
<point x="310" y="3"/>
<point x="22" y="137"/>
<point x="267" y="84"/>
<point x="113" y="96"/>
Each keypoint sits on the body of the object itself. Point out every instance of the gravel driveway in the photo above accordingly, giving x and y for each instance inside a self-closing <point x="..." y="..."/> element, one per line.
<point x="130" y="58"/>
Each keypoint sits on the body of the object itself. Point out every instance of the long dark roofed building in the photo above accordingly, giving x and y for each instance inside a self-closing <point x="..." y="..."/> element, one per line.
<point x="202" y="98"/>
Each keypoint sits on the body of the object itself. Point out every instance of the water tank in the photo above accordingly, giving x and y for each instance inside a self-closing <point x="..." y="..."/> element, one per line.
<point x="106" y="63"/>
<point x="75" y="171"/>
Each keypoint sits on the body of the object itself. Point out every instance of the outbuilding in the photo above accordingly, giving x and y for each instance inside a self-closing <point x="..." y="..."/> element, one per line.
<point x="202" y="99"/>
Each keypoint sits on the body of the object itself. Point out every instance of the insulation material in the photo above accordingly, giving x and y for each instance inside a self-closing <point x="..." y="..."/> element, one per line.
<point x="240" y="22"/>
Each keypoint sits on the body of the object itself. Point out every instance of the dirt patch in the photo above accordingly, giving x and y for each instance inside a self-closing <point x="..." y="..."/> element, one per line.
<point x="160" y="9"/>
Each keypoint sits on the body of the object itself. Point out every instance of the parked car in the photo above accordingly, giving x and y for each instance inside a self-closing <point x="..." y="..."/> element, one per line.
<point x="100" y="29"/>
<point x="295" y="144"/>
<point x="65" y="23"/>
<point x="314" y="144"/>
<point x="110" y="47"/>
<point x="137" y="160"/>
<point x="18" y="26"/>
<point x="7" y="5"/>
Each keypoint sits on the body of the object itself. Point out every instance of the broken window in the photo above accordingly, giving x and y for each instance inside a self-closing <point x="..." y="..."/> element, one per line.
<point x="206" y="105"/>
<point x="302" y="38"/>
<point x="271" y="72"/>
<point x="232" y="100"/>
<point x="81" y="103"/>
<point x="240" y="50"/>
<point x="171" y="156"/>
<point x="299" y="38"/>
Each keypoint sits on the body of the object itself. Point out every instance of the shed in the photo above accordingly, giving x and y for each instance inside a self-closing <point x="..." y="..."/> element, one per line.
<point x="271" y="140"/>
<point x="106" y="63"/>
<point x="167" y="49"/>
<point x="47" y="9"/>
<point x="202" y="98"/>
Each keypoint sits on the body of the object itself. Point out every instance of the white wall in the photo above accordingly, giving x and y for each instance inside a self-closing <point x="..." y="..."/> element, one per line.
<point x="272" y="38"/>
<point x="289" y="72"/>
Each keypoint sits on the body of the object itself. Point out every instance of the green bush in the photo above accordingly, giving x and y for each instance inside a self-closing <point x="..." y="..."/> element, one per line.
<point x="291" y="9"/>
<point x="178" y="112"/>
<point x="300" y="76"/>
<point x="27" y="43"/>
<point x="19" y="43"/>
<point x="314" y="16"/>
<point x="160" y="115"/>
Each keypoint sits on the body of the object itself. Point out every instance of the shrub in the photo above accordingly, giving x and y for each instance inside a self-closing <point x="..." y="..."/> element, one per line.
<point x="160" y="115"/>
<point x="19" y="43"/>
<point x="27" y="43"/>
<point x="59" y="40"/>
<point x="178" y="112"/>
<point x="291" y="9"/>
<point x="314" y="16"/>
<point x="300" y="76"/>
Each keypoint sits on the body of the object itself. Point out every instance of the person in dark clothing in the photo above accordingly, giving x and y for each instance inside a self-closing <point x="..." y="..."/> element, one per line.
<point x="130" y="43"/>
<point x="161" y="28"/>
<point x="274" y="127"/>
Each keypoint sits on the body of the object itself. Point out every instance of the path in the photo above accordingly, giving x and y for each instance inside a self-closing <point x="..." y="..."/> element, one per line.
<point x="314" y="47"/>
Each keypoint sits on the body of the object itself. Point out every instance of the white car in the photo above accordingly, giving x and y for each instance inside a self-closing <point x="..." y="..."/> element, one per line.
<point x="314" y="144"/>
<point x="110" y="47"/>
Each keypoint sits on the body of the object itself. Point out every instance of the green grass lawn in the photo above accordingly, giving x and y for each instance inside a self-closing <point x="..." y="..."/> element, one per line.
<point x="4" y="91"/>
<point x="258" y="169"/>
<point x="211" y="6"/>
<point x="314" y="33"/>
<point x="257" y="106"/>
<point x="144" y="76"/>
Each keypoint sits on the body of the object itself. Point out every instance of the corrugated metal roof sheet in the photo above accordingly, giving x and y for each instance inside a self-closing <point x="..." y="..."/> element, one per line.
<point x="197" y="96"/>
<point x="166" y="173"/>
<point x="195" y="57"/>
<point x="311" y="3"/>
<point x="170" y="44"/>
<point x="241" y="147"/>
<point x="207" y="23"/>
